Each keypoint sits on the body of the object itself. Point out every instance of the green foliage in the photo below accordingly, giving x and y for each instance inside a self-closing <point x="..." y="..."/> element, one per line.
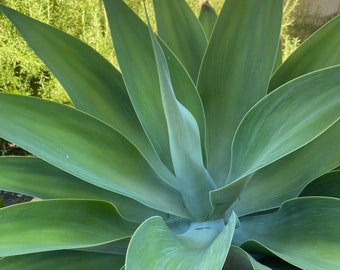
<point x="193" y="155"/>
<point x="24" y="73"/>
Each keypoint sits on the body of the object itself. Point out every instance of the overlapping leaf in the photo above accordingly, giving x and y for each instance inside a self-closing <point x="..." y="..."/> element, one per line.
<point x="285" y="178"/>
<point x="278" y="124"/>
<point x="178" y="26"/>
<point x="185" y="143"/>
<point x="239" y="259"/>
<point x="203" y="247"/>
<point x="308" y="227"/>
<point x="207" y="18"/>
<point x="35" y="177"/>
<point x="326" y="185"/>
<point x="60" y="224"/>
<point x="98" y="155"/>
<point x="235" y="72"/>
<point x="319" y="51"/>
<point x="137" y="63"/>
<point x="63" y="259"/>
<point x="93" y="84"/>
<point x="139" y="70"/>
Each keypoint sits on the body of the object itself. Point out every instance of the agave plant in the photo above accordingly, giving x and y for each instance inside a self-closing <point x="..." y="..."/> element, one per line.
<point x="198" y="153"/>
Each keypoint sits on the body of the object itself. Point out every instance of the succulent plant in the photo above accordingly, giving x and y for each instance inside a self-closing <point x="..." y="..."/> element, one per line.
<point x="198" y="153"/>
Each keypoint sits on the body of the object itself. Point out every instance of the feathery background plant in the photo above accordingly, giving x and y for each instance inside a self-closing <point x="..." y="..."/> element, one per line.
<point x="200" y="152"/>
<point x="22" y="72"/>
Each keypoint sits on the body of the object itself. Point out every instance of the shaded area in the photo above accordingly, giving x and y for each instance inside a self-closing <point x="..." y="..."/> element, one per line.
<point x="9" y="198"/>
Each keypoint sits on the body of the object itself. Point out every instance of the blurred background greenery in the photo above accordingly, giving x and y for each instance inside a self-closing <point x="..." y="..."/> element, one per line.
<point x="23" y="73"/>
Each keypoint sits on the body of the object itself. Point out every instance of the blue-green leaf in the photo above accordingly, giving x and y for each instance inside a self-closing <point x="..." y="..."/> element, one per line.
<point x="223" y="199"/>
<point x="63" y="259"/>
<point x="303" y="232"/>
<point x="60" y="224"/>
<point x="239" y="259"/>
<point x="321" y="50"/>
<point x="185" y="144"/>
<point x="285" y="120"/>
<point x="235" y="73"/>
<point x="207" y="18"/>
<point x="99" y="155"/>
<point x="179" y="28"/>
<point x="35" y="177"/>
<point x="326" y="185"/>
<point x="137" y="63"/>
<point x="204" y="246"/>
<point x="93" y="84"/>
<point x="285" y="178"/>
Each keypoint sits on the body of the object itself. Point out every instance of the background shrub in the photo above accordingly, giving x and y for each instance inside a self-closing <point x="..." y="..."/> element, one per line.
<point x="23" y="73"/>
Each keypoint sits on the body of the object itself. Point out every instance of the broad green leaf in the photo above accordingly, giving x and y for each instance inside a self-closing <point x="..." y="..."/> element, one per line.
<point x="303" y="232"/>
<point x="326" y="185"/>
<point x="265" y="257"/>
<point x="186" y="92"/>
<point x="63" y="259"/>
<point x="35" y="177"/>
<point x="115" y="247"/>
<point x="239" y="259"/>
<point x="99" y="155"/>
<point x="224" y="198"/>
<point x="179" y="28"/>
<point x="319" y="51"/>
<point x="276" y="263"/>
<point x="278" y="59"/>
<point x="285" y="178"/>
<point x="136" y="60"/>
<point x="204" y="246"/>
<point x="207" y="18"/>
<point x="235" y="72"/>
<point x="286" y="120"/>
<point x="185" y="143"/>
<point x="60" y="224"/>
<point x="92" y="83"/>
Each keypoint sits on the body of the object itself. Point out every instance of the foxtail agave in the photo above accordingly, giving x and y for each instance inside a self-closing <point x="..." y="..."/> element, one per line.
<point x="199" y="153"/>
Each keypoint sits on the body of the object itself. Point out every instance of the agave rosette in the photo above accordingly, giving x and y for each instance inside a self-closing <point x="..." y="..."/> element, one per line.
<point x="194" y="155"/>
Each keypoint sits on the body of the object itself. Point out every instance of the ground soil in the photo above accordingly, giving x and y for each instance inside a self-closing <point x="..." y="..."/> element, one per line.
<point x="9" y="198"/>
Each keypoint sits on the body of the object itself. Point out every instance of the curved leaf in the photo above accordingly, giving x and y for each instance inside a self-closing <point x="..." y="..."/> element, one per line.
<point x="286" y="120"/>
<point x="223" y="199"/>
<point x="186" y="92"/>
<point x="319" y="51"/>
<point x="278" y="59"/>
<point x="285" y="178"/>
<point x="179" y="28"/>
<point x="99" y="155"/>
<point x="207" y="18"/>
<point x="303" y="232"/>
<point x="239" y="259"/>
<point x="235" y="73"/>
<point x="64" y="259"/>
<point x="327" y="185"/>
<point x="276" y="263"/>
<point x="202" y="247"/>
<point x="136" y="60"/>
<point x="35" y="177"/>
<point x="93" y="84"/>
<point x="114" y="247"/>
<point x="185" y="144"/>
<point x="60" y="224"/>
